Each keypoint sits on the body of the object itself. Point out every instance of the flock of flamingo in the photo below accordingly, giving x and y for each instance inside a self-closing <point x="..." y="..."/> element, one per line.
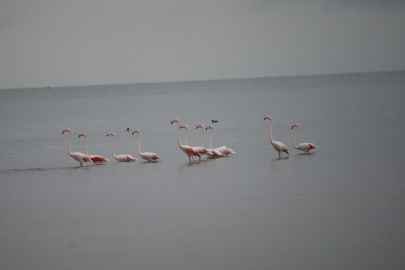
<point x="191" y="152"/>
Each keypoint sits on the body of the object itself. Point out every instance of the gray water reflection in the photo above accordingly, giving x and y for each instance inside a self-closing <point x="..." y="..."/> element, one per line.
<point x="341" y="207"/>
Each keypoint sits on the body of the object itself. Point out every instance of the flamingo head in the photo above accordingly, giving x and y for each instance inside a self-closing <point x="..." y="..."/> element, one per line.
<point x="267" y="117"/>
<point x="67" y="129"/>
<point x="295" y="125"/>
<point x="185" y="126"/>
<point x="175" y="120"/>
<point x="200" y="126"/>
<point x="209" y="127"/>
<point x="135" y="131"/>
<point x="112" y="134"/>
<point x="82" y="134"/>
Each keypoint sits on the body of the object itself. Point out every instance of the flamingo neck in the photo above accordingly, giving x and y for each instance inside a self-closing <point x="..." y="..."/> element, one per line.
<point x="202" y="135"/>
<point x="212" y="135"/>
<point x="139" y="144"/>
<point x="187" y="136"/>
<point x="271" y="126"/>
<point x="70" y="136"/>
<point x="178" y="134"/>
<point x="85" y="145"/>
<point x="295" y="139"/>
<point x="113" y="147"/>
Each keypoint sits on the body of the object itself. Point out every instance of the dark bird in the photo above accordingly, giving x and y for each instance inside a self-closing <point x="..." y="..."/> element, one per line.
<point x="214" y="121"/>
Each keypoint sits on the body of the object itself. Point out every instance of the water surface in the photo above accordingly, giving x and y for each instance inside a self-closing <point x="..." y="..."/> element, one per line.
<point x="338" y="208"/>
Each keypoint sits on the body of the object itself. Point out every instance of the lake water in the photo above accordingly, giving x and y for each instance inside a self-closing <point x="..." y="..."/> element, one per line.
<point x="342" y="207"/>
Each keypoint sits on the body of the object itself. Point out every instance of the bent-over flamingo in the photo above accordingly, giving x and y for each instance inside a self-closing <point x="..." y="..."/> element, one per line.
<point x="306" y="147"/>
<point x="223" y="149"/>
<point x="76" y="155"/>
<point x="95" y="158"/>
<point x="145" y="155"/>
<point x="190" y="151"/>
<point x="121" y="158"/>
<point x="280" y="147"/>
<point x="210" y="152"/>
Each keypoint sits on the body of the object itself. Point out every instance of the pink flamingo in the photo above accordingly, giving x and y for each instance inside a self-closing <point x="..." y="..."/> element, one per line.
<point x="145" y="155"/>
<point x="280" y="147"/>
<point x="190" y="151"/>
<point x="76" y="155"/>
<point x="95" y="158"/>
<point x="306" y="147"/>
<point x="225" y="151"/>
<point x="200" y="149"/>
<point x="121" y="158"/>
<point x="211" y="152"/>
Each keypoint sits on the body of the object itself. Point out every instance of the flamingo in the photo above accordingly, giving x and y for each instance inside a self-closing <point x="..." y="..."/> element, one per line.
<point x="145" y="155"/>
<point x="280" y="147"/>
<point x="95" y="158"/>
<point x="306" y="147"/>
<point x="211" y="152"/>
<point x="223" y="149"/>
<point x="190" y="151"/>
<point x="200" y="149"/>
<point x="121" y="158"/>
<point x="76" y="155"/>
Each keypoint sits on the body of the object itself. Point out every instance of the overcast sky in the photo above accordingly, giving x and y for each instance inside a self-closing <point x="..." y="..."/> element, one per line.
<point x="63" y="43"/>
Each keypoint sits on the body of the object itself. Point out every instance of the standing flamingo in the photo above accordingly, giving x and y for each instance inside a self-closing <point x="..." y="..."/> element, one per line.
<point x="190" y="151"/>
<point x="211" y="152"/>
<point x="306" y="147"/>
<point x="223" y="149"/>
<point x="145" y="155"/>
<point x="280" y="147"/>
<point x="200" y="149"/>
<point x="121" y="158"/>
<point x="76" y="155"/>
<point x="95" y="158"/>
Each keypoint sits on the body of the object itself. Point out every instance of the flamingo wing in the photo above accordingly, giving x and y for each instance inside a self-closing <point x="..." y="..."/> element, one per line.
<point x="312" y="146"/>
<point x="280" y="147"/>
<point x="225" y="150"/>
<point x="149" y="156"/>
<point x="193" y="151"/>
<point x="214" y="153"/>
<point x="98" y="159"/>
<point x="201" y="150"/>
<point x="306" y="147"/>
<point x="125" y="158"/>
<point x="81" y="157"/>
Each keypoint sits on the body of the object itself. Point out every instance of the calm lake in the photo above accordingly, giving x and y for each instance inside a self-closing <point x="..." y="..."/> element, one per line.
<point x="341" y="207"/>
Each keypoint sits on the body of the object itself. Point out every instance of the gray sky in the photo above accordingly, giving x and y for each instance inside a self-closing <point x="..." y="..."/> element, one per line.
<point x="63" y="43"/>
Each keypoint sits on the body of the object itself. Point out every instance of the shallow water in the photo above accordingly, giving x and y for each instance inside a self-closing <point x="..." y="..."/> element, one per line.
<point x="340" y="207"/>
